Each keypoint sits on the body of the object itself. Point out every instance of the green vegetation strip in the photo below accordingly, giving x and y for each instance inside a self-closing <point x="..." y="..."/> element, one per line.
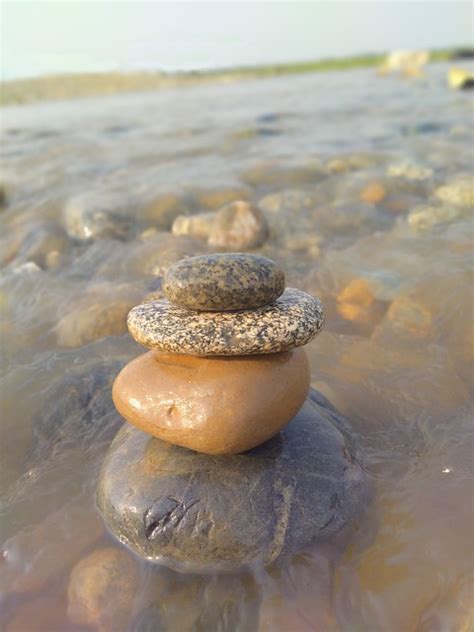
<point x="62" y="87"/>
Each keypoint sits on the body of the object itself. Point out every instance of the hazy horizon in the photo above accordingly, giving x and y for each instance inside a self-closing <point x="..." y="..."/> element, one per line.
<point x="44" y="38"/>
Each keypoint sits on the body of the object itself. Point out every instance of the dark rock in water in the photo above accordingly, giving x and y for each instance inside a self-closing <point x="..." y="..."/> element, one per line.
<point x="468" y="84"/>
<point x="425" y="127"/>
<point x="269" y="117"/>
<point x="81" y="405"/>
<point x="268" y="131"/>
<point x="196" y="513"/>
<point x="3" y="197"/>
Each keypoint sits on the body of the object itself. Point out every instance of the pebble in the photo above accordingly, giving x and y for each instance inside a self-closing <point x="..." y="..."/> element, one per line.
<point x="409" y="171"/>
<point x="424" y="217"/>
<point x="239" y="226"/>
<point x="460" y="193"/>
<point x="200" y="513"/>
<point x="357" y="303"/>
<point x="460" y="78"/>
<point x="223" y="282"/>
<point x="102" y="589"/>
<point x="84" y="323"/>
<point x="34" y="556"/>
<point x="408" y="316"/>
<point x="373" y="193"/>
<point x="199" y="403"/>
<point x="98" y="215"/>
<point x="100" y="311"/>
<point x="196" y="225"/>
<point x="291" y="321"/>
<point x="236" y="226"/>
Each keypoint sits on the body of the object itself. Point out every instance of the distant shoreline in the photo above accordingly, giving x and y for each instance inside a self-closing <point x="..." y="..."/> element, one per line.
<point x="67" y="87"/>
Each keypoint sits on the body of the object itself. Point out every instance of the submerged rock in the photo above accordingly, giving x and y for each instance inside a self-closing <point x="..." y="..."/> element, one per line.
<point x="460" y="192"/>
<point x="237" y="226"/>
<point x="99" y="312"/>
<point x="460" y="78"/>
<point x="81" y="405"/>
<point x="102" y="590"/>
<point x="34" y="242"/>
<point x="357" y="303"/>
<point x="36" y="554"/>
<point x="409" y="171"/>
<point x="425" y="217"/>
<point x="86" y="323"/>
<point x="96" y="215"/>
<point x="3" y="198"/>
<point x="197" y="512"/>
<point x="196" y="225"/>
<point x="373" y="193"/>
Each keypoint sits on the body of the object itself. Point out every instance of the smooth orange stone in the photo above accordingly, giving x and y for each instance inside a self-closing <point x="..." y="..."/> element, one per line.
<point x="215" y="405"/>
<point x="373" y="193"/>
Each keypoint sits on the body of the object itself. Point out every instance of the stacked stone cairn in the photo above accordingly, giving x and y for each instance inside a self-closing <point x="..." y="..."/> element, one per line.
<point x="225" y="371"/>
<point x="242" y="466"/>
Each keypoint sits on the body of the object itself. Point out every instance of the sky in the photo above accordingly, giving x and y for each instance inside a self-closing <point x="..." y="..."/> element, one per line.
<point x="65" y="36"/>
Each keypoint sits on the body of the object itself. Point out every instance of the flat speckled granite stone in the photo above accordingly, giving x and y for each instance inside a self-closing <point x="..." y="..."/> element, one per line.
<point x="200" y="513"/>
<point x="223" y="282"/>
<point x="291" y="321"/>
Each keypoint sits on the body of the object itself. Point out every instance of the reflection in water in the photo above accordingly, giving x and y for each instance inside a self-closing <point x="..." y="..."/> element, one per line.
<point x="365" y="185"/>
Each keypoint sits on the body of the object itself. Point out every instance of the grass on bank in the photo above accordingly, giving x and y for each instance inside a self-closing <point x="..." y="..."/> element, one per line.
<point x="62" y="87"/>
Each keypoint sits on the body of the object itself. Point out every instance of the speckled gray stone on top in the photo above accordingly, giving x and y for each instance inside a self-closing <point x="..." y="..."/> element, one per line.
<point x="223" y="282"/>
<point x="291" y="321"/>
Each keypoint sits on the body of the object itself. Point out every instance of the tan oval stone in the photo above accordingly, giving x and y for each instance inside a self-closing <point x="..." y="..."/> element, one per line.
<point x="102" y="589"/>
<point x="373" y="193"/>
<point x="215" y="405"/>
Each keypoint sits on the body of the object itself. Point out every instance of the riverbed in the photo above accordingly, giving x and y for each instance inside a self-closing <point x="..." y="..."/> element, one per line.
<point x="366" y="185"/>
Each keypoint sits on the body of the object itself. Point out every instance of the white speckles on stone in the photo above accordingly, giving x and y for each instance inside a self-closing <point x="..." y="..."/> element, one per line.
<point x="291" y="321"/>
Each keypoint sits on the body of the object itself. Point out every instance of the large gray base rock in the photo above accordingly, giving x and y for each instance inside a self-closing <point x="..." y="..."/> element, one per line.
<point x="199" y="513"/>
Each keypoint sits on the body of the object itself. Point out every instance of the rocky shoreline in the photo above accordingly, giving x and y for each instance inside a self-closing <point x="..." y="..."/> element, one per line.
<point x="365" y="191"/>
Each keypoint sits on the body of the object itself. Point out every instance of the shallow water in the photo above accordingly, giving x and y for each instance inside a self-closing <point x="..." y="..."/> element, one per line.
<point x="392" y="263"/>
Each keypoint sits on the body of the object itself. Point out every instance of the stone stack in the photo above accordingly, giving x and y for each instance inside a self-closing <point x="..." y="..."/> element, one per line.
<point x="225" y="371"/>
<point x="225" y="374"/>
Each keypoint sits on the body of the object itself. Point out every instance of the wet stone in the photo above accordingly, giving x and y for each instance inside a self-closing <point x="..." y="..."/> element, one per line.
<point x="196" y="513"/>
<point x="98" y="215"/>
<point x="197" y="402"/>
<point x="102" y="589"/>
<point x="291" y="321"/>
<point x="223" y="282"/>
<point x="458" y="193"/>
<point x="236" y="226"/>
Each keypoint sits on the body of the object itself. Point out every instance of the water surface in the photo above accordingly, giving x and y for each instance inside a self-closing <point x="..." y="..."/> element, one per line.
<point x="351" y="171"/>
